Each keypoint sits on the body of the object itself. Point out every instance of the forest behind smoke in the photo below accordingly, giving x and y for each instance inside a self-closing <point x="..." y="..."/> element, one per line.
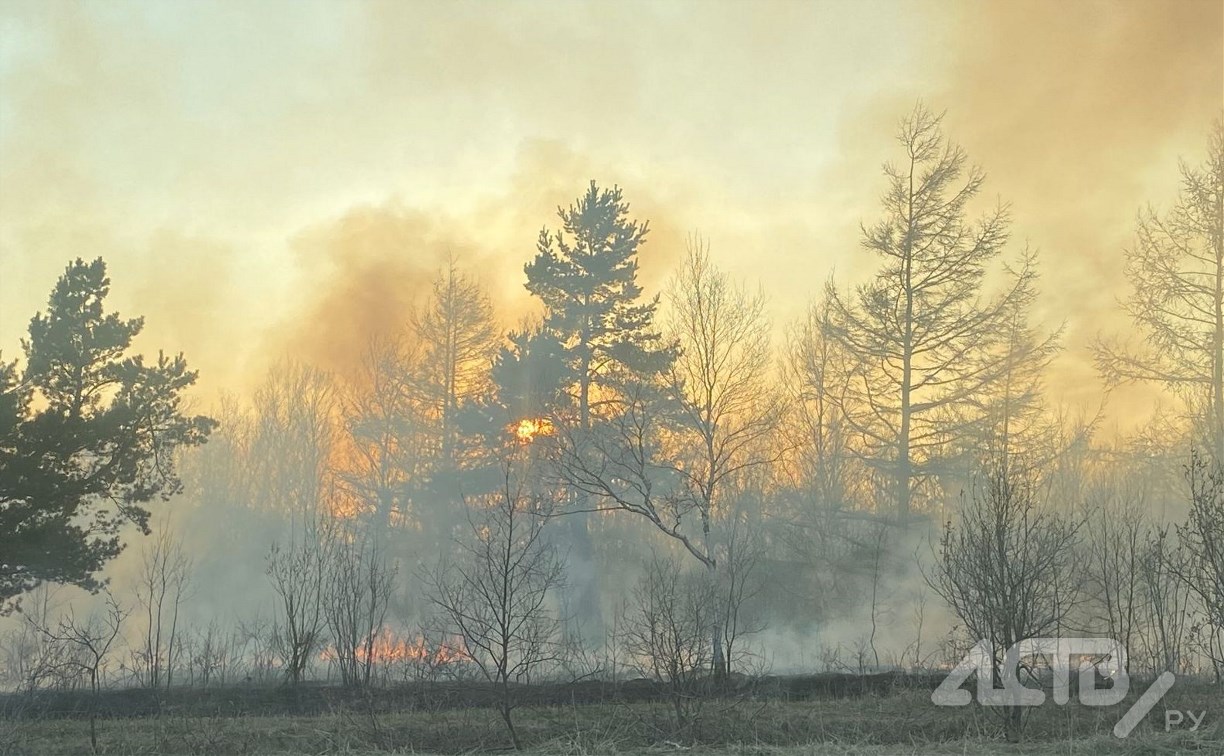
<point x="636" y="484"/>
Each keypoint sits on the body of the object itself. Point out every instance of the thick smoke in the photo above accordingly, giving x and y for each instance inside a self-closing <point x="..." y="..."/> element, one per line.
<point x="1079" y="114"/>
<point x="223" y="175"/>
<point x="260" y="196"/>
<point x="1080" y="122"/>
<point x="362" y="274"/>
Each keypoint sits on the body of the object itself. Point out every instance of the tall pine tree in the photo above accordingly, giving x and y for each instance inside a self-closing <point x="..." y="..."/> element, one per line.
<point x="586" y="276"/>
<point x="585" y="273"/>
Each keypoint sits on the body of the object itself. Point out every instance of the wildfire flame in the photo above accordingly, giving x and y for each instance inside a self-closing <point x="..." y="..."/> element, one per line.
<point x="529" y="428"/>
<point x="389" y="648"/>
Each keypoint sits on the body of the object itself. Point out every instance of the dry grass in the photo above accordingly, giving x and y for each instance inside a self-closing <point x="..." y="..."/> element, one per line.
<point x="906" y="723"/>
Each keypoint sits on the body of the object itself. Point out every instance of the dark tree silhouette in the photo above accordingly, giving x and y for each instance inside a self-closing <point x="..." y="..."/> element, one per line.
<point x="530" y="376"/>
<point x="88" y="436"/>
<point x="1007" y="567"/>
<point x="586" y="276"/>
<point x="459" y="337"/>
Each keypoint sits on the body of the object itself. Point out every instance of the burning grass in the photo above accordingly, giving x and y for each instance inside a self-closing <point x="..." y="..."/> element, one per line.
<point x="387" y="649"/>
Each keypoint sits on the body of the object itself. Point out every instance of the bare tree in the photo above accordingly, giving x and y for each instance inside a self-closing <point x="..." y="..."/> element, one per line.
<point x="223" y="470"/>
<point x="879" y="545"/>
<point x="1006" y="568"/>
<point x="91" y="642"/>
<point x="384" y="432"/>
<point x="298" y="571"/>
<point x="495" y="596"/>
<point x="211" y="654"/>
<point x="1011" y="415"/>
<point x="1117" y="539"/>
<point x="728" y="413"/>
<point x="728" y="410"/>
<point x="666" y="632"/>
<point x="30" y="661"/>
<point x="358" y="584"/>
<point x="459" y="337"/>
<point x="1177" y="305"/>
<point x="816" y="374"/>
<point x="293" y="436"/>
<point x="258" y="642"/>
<point x="926" y="339"/>
<point x="739" y="584"/>
<point x="1168" y="602"/>
<point x="1201" y="537"/>
<point x="163" y="584"/>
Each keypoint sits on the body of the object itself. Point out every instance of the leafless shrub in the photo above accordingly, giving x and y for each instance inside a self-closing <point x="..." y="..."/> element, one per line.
<point x="1167" y="600"/>
<point x="163" y="583"/>
<point x="88" y="644"/>
<point x="209" y="654"/>
<point x="30" y="660"/>
<point x="358" y="584"/>
<point x="258" y="645"/>
<point x="1007" y="568"/>
<point x="1202" y="539"/>
<point x="589" y="658"/>
<point x="298" y="573"/>
<point x="495" y="597"/>
<point x="1116" y="541"/>
<point x="666" y="633"/>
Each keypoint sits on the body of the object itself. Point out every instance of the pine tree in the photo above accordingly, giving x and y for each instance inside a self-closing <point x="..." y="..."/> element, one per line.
<point x="530" y="376"/>
<point x="87" y="437"/>
<point x="586" y="276"/>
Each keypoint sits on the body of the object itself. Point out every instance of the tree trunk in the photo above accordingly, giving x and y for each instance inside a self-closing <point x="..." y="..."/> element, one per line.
<point x="1012" y="723"/>
<point x="904" y="467"/>
<point x="720" y="659"/>
<point x="719" y="613"/>
<point x="582" y="577"/>
<point x="505" y="710"/>
<point x="1217" y="361"/>
<point x="93" y="710"/>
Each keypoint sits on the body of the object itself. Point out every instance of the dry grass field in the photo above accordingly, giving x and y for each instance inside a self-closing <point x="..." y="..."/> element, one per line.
<point x="903" y="722"/>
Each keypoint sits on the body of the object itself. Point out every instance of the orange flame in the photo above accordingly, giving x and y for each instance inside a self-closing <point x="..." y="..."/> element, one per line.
<point x="390" y="649"/>
<point x="529" y="428"/>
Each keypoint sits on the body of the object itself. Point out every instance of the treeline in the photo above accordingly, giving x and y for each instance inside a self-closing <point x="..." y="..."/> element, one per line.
<point x="635" y="485"/>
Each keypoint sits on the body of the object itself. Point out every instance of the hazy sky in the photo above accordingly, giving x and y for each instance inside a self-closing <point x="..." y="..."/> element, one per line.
<point x="268" y="177"/>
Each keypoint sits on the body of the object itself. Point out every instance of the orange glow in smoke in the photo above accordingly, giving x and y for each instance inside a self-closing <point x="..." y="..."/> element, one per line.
<point x="529" y="428"/>
<point x="388" y="648"/>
